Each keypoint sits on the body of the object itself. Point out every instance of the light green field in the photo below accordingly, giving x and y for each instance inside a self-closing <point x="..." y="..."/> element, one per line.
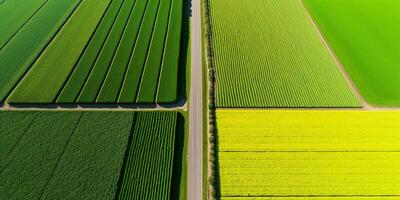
<point x="268" y="54"/>
<point x="320" y="153"/>
<point x="365" y="36"/>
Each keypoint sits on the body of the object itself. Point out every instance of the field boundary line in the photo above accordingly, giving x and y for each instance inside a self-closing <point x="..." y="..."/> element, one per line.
<point x="313" y="108"/>
<point x="99" y="53"/>
<point x="147" y="51"/>
<point x="178" y="105"/>
<point x="164" y="49"/>
<point x="59" y="158"/>
<point x="66" y="81"/>
<point x="23" y="25"/>
<point x="132" y="51"/>
<point x="16" y="144"/>
<point x="315" y="195"/>
<point x="115" y="52"/>
<point x="338" y="63"/>
<point x="51" y="38"/>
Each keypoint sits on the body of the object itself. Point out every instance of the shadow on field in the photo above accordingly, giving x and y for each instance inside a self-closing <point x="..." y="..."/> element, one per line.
<point x="126" y="155"/>
<point x="176" y="104"/>
<point x="178" y="158"/>
<point x="183" y="52"/>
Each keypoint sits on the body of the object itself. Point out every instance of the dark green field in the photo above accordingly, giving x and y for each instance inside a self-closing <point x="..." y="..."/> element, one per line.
<point x="90" y="155"/>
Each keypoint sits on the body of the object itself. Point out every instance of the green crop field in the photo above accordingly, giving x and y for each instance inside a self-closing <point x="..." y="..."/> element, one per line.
<point x="87" y="155"/>
<point x="148" y="173"/>
<point x="268" y="54"/>
<point x="277" y="154"/>
<point x="90" y="52"/>
<point x="365" y="37"/>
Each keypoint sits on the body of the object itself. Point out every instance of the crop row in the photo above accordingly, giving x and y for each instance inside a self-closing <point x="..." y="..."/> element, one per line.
<point x="268" y="54"/>
<point x="281" y="153"/>
<point x="149" y="163"/>
<point x="80" y="155"/>
<point x="123" y="51"/>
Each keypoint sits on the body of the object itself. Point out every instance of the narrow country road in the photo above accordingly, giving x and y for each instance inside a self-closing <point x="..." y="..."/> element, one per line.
<point x="195" y="109"/>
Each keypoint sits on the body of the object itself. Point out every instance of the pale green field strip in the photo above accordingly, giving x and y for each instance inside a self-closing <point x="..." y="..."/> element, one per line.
<point x="133" y="75"/>
<point x="148" y="172"/>
<point x="14" y="14"/>
<point x="168" y="83"/>
<point x="99" y="70"/>
<point x="365" y="37"/>
<point x="113" y="82"/>
<point x="71" y="41"/>
<point x="268" y="54"/>
<point x="148" y="86"/>
<point x="322" y="154"/>
<point x="68" y="155"/>
<point x="82" y="69"/>
<point x="23" y="49"/>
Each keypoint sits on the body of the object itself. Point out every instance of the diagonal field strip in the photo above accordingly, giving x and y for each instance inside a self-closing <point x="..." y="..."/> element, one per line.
<point x="339" y="64"/>
<point x="316" y="154"/>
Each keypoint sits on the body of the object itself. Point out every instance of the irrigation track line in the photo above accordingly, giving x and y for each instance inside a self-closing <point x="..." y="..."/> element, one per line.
<point x="17" y="143"/>
<point x="337" y="61"/>
<point x="23" y="25"/>
<point x="179" y="105"/>
<point x="60" y="158"/>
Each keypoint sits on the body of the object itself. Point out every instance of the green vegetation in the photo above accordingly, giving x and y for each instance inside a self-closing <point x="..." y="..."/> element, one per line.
<point x="364" y="35"/>
<point x="91" y="155"/>
<point x="74" y="85"/>
<point x="148" y="171"/>
<point x="151" y="71"/>
<point x="167" y="87"/>
<point x="14" y="14"/>
<point x="318" y="153"/>
<point x="53" y="67"/>
<point x="267" y="54"/>
<point x="23" y="49"/>
<point x="112" y="52"/>
<point x="100" y="67"/>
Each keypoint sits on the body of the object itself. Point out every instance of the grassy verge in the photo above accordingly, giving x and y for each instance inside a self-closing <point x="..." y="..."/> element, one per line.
<point x="204" y="107"/>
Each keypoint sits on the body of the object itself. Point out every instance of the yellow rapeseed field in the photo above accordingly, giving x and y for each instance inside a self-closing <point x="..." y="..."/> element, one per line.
<point x="309" y="153"/>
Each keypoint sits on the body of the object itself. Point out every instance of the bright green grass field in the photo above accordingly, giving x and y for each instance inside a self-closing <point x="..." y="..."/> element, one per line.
<point x="319" y="153"/>
<point x="88" y="155"/>
<point x="365" y="37"/>
<point x="268" y="54"/>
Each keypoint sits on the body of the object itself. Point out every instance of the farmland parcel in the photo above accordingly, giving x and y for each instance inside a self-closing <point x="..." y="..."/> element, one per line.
<point x="365" y="37"/>
<point x="295" y="154"/>
<point x="81" y="155"/>
<point x="268" y="54"/>
<point x="90" y="51"/>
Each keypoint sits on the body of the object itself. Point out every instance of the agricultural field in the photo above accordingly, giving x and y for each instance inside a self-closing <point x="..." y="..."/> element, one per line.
<point x="275" y="154"/>
<point x="268" y="54"/>
<point x="364" y="36"/>
<point x="88" y="155"/>
<point x="86" y="51"/>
